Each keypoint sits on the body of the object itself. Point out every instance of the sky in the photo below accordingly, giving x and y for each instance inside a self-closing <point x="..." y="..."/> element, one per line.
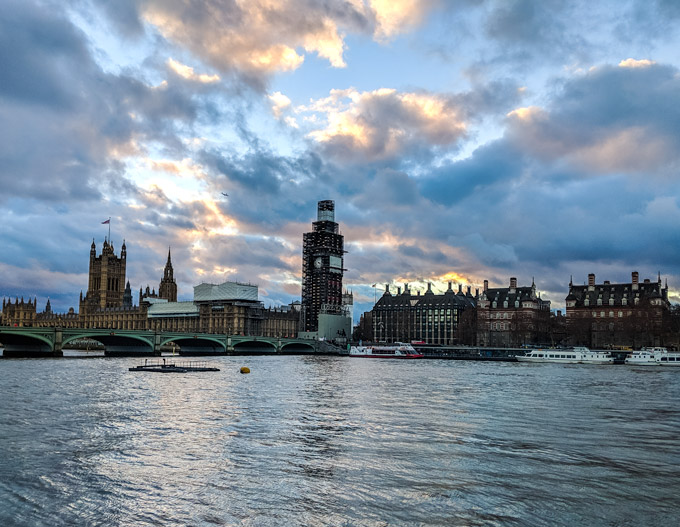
<point x="461" y="140"/>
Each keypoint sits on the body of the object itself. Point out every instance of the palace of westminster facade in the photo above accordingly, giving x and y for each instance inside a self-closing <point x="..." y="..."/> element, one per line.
<point x="232" y="308"/>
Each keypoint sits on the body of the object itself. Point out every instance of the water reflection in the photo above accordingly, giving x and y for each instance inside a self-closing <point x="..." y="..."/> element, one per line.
<point x="337" y="441"/>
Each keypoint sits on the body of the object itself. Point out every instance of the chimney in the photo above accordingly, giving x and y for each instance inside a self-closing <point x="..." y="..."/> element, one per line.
<point x="469" y="289"/>
<point x="460" y="288"/>
<point x="513" y="283"/>
<point x="398" y="290"/>
<point x="450" y="286"/>
<point x="635" y="277"/>
<point x="486" y="285"/>
<point x="387" y="288"/>
<point x="591" y="279"/>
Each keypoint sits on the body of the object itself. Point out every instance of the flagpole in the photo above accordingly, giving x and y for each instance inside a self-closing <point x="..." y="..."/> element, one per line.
<point x="109" y="230"/>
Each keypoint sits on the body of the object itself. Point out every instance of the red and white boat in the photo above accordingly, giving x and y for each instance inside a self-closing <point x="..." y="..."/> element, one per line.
<point x="398" y="350"/>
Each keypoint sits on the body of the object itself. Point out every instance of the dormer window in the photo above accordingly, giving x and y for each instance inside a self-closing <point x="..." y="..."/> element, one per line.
<point x="586" y="302"/>
<point x="505" y="303"/>
<point x="624" y="301"/>
<point x="599" y="301"/>
<point x="516" y="303"/>
<point x="611" y="300"/>
<point x="494" y="304"/>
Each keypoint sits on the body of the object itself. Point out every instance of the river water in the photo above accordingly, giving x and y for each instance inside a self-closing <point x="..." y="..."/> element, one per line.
<point x="338" y="441"/>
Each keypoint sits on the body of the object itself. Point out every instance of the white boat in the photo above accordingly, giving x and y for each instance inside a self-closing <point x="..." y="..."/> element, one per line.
<point x="398" y="350"/>
<point x="575" y="355"/>
<point x="654" y="357"/>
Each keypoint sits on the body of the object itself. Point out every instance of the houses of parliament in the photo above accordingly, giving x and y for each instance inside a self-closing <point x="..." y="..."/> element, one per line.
<point x="231" y="307"/>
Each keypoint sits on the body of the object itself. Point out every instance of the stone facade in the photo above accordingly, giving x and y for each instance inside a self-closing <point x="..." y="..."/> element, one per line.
<point x="229" y="308"/>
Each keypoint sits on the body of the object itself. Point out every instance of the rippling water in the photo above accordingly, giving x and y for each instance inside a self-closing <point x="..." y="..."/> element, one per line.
<point x="338" y="441"/>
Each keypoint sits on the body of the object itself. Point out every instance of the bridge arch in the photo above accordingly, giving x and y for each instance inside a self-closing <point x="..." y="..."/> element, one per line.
<point x="294" y="348"/>
<point x="20" y="343"/>
<point x="117" y="343"/>
<point x="254" y="347"/>
<point x="197" y="345"/>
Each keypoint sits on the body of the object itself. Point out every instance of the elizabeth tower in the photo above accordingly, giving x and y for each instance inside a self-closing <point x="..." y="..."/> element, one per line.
<point x="322" y="267"/>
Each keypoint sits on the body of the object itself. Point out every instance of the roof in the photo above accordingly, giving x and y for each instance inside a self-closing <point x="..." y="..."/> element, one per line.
<point x="615" y="292"/>
<point x="173" y="309"/>
<point x="225" y="291"/>
<point x="429" y="299"/>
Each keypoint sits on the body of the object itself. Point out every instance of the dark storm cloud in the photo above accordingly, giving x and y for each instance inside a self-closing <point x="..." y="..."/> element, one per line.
<point x="84" y="120"/>
<point x="612" y="119"/>
<point x="488" y="165"/>
<point x="36" y="47"/>
<point x="266" y="188"/>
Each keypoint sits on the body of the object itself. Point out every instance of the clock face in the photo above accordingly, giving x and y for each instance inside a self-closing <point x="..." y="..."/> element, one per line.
<point x="318" y="263"/>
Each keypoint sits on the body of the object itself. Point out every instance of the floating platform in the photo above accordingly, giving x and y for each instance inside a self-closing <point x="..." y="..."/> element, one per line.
<point x="174" y="367"/>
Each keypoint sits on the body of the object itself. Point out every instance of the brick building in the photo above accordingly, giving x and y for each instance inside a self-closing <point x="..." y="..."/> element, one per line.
<point x="512" y="316"/>
<point x="617" y="315"/>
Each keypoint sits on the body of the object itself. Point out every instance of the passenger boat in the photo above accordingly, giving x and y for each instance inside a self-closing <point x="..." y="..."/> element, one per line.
<point x="654" y="357"/>
<point x="398" y="350"/>
<point x="575" y="355"/>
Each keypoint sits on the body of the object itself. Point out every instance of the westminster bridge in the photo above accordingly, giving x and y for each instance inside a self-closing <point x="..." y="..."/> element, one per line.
<point x="42" y="342"/>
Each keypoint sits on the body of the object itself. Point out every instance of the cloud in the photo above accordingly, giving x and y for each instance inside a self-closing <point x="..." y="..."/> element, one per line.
<point x="187" y="72"/>
<point x="279" y="103"/>
<point x="397" y="16"/>
<point x="384" y="123"/>
<point x="612" y="119"/>
<point x="632" y="63"/>
<point x="257" y="37"/>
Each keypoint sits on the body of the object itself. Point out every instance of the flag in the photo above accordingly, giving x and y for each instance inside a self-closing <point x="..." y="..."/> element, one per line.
<point x="107" y="221"/>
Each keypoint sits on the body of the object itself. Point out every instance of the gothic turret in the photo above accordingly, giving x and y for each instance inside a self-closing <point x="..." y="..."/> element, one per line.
<point x="127" y="295"/>
<point x="168" y="288"/>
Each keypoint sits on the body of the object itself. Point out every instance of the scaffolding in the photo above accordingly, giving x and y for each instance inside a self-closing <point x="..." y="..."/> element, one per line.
<point x="322" y="265"/>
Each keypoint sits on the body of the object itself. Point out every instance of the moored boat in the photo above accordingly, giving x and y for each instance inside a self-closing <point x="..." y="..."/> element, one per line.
<point x="575" y="355"/>
<point x="398" y="350"/>
<point x="654" y="357"/>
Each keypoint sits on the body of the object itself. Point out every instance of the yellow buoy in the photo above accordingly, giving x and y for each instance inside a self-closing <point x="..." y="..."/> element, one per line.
<point x="245" y="369"/>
